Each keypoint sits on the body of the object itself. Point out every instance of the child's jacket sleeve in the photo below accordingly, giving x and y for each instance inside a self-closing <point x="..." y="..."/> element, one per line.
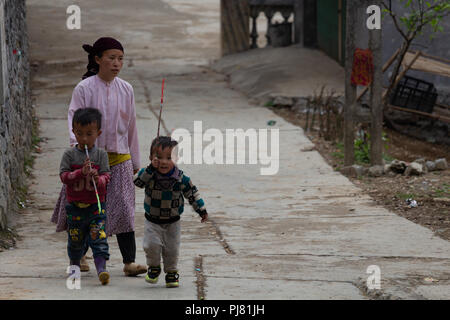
<point x="191" y="193"/>
<point x="143" y="176"/>
<point x="104" y="171"/>
<point x="66" y="174"/>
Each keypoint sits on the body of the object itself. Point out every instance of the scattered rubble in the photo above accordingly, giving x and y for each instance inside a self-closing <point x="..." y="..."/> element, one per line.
<point x="376" y="171"/>
<point x="431" y="189"/>
<point x="414" y="169"/>
<point x="354" y="171"/>
<point x="395" y="167"/>
<point x="441" y="164"/>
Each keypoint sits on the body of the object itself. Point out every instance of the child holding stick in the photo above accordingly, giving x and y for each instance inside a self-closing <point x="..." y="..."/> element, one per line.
<point x="165" y="185"/>
<point x="85" y="177"/>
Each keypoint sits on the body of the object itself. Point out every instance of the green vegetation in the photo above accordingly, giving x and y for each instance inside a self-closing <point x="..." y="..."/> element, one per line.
<point x="362" y="150"/>
<point x="405" y="196"/>
<point x="443" y="192"/>
<point x="269" y="103"/>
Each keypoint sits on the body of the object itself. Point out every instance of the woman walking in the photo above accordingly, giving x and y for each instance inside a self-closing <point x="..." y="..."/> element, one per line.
<point x="101" y="88"/>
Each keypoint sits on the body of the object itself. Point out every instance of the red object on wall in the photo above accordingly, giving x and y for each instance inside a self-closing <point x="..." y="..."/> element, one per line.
<point x="362" y="70"/>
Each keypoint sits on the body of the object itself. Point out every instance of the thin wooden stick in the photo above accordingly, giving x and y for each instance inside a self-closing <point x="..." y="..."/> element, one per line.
<point x="420" y="113"/>
<point x="161" y="105"/>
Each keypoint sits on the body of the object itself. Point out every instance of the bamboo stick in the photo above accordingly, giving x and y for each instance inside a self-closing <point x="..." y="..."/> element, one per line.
<point x="420" y="113"/>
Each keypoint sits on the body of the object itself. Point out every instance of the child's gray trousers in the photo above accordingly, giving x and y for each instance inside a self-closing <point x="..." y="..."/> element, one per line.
<point x="162" y="240"/>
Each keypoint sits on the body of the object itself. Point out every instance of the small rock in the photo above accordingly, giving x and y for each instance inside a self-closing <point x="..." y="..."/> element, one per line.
<point x="430" y="165"/>
<point x="414" y="168"/>
<point x="420" y="160"/>
<point x="387" y="168"/>
<point x="398" y="166"/>
<point x="353" y="171"/>
<point x="391" y="174"/>
<point x="283" y="101"/>
<point x="300" y="105"/>
<point x="441" y="164"/>
<point x="376" y="171"/>
<point x="308" y="148"/>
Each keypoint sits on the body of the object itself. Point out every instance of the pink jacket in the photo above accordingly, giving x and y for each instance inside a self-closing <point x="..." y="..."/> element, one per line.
<point x="115" y="100"/>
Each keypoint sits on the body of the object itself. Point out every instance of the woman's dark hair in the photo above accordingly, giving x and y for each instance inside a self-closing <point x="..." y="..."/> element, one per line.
<point x="97" y="49"/>
<point x="85" y="116"/>
<point x="163" y="142"/>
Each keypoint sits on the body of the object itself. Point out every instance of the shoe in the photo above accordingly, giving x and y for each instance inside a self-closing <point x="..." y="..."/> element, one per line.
<point x="103" y="277"/>
<point x="153" y="274"/>
<point x="84" y="266"/>
<point x="172" y="279"/>
<point x="133" y="269"/>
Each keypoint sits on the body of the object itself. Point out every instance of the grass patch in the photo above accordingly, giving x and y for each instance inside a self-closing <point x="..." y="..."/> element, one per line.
<point x="405" y="196"/>
<point x="8" y="238"/>
<point x="269" y="103"/>
<point x="361" y="151"/>
<point x="443" y="192"/>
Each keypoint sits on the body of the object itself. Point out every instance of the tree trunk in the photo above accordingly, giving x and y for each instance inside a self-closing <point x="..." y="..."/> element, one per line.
<point x="350" y="89"/>
<point x="376" y="92"/>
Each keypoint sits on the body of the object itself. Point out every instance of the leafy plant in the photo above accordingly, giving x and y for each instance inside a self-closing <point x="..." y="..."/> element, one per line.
<point x="269" y="103"/>
<point x="421" y="13"/>
<point x="362" y="151"/>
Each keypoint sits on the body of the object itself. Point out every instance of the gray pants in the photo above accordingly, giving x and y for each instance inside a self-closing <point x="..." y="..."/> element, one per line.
<point x="162" y="239"/>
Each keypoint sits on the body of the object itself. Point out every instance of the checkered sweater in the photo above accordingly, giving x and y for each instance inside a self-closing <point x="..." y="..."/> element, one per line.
<point x="165" y="204"/>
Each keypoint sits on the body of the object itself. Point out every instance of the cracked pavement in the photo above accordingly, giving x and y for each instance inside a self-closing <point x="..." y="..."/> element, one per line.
<point x="304" y="233"/>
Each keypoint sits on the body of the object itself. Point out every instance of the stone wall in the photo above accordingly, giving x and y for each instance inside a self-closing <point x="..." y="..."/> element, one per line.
<point x="15" y="104"/>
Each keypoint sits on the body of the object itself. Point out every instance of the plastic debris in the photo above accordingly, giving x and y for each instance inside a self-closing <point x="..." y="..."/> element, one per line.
<point x="271" y="122"/>
<point x="429" y="279"/>
<point x="411" y="203"/>
<point x="197" y="269"/>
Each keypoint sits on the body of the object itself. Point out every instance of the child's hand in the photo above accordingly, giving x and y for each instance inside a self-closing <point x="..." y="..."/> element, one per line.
<point x="94" y="173"/>
<point x="204" y="217"/>
<point x="155" y="162"/>
<point x="85" y="169"/>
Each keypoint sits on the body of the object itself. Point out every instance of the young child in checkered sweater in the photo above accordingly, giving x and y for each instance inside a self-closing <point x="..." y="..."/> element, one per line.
<point x="165" y="185"/>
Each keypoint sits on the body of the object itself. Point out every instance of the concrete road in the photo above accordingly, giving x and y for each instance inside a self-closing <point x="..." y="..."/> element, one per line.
<point x="304" y="233"/>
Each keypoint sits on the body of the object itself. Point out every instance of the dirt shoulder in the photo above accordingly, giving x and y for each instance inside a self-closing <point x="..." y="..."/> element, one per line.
<point x="293" y="71"/>
<point x="430" y="190"/>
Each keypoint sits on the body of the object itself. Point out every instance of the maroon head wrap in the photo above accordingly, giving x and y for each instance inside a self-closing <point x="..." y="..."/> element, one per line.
<point x="97" y="49"/>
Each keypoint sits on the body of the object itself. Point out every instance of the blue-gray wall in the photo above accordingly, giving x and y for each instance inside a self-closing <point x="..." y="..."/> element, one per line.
<point x="438" y="46"/>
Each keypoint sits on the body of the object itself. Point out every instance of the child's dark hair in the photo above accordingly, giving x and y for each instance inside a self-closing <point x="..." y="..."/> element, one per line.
<point x="85" y="116"/>
<point x="163" y="142"/>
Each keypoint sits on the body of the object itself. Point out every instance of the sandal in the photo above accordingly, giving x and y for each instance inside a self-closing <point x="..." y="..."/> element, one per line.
<point x="133" y="269"/>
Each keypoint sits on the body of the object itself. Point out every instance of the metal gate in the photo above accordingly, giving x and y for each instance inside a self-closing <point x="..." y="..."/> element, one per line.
<point x="331" y="28"/>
